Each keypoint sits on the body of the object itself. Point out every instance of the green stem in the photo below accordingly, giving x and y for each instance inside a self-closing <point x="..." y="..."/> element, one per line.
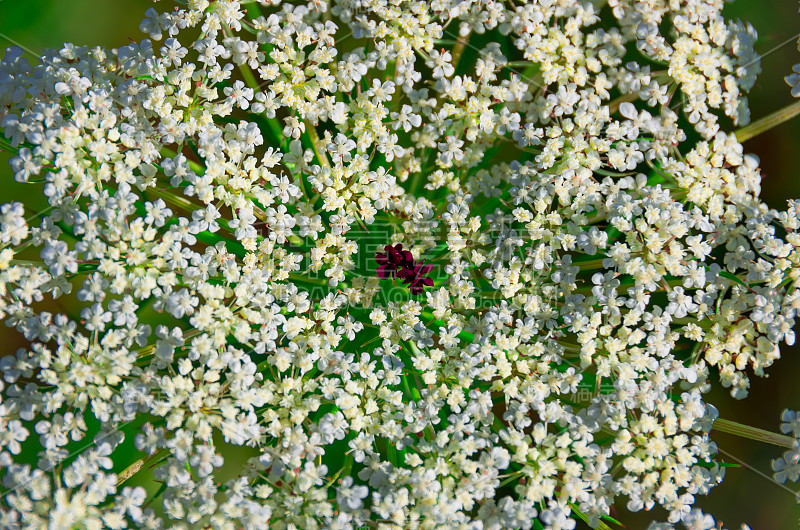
<point x="413" y="392"/>
<point x="319" y="149"/>
<point x="249" y="77"/>
<point x="600" y="526"/>
<point x="513" y="478"/>
<point x="768" y="122"/>
<point x="134" y="468"/>
<point x="251" y="81"/>
<point x="300" y="278"/>
<point x="590" y="265"/>
<point x="194" y="166"/>
<point x="614" y="106"/>
<point x="458" y="49"/>
<point x="176" y="200"/>
<point x="753" y="433"/>
<point x="468" y="337"/>
<point x="348" y="465"/>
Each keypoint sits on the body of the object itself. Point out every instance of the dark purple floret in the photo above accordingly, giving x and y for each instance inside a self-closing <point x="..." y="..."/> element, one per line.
<point x="395" y="262"/>
<point x="393" y="259"/>
<point x="416" y="277"/>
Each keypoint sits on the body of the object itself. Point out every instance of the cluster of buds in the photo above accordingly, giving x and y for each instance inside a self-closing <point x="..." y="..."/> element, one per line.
<point x="395" y="262"/>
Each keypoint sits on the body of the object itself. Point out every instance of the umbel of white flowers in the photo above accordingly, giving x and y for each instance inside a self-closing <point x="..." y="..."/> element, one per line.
<point x="210" y="345"/>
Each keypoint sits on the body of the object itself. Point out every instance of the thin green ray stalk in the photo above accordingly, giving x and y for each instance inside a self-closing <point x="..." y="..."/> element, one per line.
<point x="458" y="49"/>
<point x="753" y="433"/>
<point x="316" y="144"/>
<point x="194" y="166"/>
<point x="767" y="122"/>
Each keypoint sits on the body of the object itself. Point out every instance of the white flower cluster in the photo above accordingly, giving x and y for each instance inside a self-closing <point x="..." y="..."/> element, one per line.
<point x="793" y="79"/>
<point x="201" y="300"/>
<point x="787" y="467"/>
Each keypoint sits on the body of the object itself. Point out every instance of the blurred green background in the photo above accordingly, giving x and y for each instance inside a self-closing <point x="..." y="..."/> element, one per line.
<point x="748" y="495"/>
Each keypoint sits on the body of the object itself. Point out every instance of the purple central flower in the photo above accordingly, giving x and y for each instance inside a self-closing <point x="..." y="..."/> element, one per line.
<point x="393" y="259"/>
<point x="395" y="262"/>
<point x="416" y="278"/>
